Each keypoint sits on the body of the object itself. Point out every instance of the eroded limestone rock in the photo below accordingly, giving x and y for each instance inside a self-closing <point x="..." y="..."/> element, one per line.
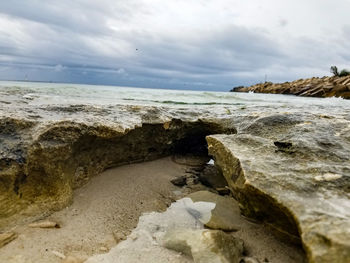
<point x="145" y="243"/>
<point x="42" y="162"/>
<point x="205" y="246"/>
<point x="295" y="185"/>
<point x="288" y="166"/>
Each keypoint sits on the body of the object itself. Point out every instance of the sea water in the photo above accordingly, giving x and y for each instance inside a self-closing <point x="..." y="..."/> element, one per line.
<point x="59" y="93"/>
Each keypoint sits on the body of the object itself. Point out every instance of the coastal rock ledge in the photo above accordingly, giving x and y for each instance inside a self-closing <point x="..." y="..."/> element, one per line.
<point x="287" y="166"/>
<point x="312" y="87"/>
<point x="294" y="186"/>
<point x="42" y="162"/>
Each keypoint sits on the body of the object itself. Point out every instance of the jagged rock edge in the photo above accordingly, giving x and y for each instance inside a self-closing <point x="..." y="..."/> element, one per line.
<point x="44" y="180"/>
<point x="247" y="194"/>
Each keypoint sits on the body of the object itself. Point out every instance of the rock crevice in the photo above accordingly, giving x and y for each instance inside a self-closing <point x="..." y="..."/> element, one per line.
<point x="40" y="166"/>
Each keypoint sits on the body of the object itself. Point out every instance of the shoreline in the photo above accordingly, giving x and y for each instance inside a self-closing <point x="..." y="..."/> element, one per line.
<point x="324" y="87"/>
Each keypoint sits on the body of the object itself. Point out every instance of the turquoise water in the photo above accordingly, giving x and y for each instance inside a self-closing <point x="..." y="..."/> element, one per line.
<point x="55" y="93"/>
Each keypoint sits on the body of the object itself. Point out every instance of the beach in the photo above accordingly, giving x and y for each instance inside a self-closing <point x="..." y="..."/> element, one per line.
<point x="100" y="163"/>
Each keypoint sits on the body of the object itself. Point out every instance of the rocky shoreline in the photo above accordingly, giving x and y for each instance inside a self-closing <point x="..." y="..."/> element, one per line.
<point x="287" y="167"/>
<point x="313" y="87"/>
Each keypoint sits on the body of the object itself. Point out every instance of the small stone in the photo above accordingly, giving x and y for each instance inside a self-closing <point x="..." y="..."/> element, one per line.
<point x="212" y="177"/>
<point x="226" y="214"/>
<point x="223" y="191"/>
<point x="58" y="254"/>
<point x="6" y="238"/>
<point x="192" y="180"/>
<point x="45" y="224"/>
<point x="179" y="181"/>
<point x="204" y="245"/>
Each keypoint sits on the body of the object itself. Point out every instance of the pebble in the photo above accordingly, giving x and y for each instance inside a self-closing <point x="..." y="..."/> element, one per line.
<point x="179" y="181"/>
<point x="58" y="254"/>
<point x="45" y="224"/>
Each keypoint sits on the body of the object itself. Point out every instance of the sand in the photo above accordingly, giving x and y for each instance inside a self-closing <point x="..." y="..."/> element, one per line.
<point x="108" y="208"/>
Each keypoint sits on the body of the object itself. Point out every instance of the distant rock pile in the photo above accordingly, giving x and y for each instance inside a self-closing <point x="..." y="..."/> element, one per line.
<point x="312" y="87"/>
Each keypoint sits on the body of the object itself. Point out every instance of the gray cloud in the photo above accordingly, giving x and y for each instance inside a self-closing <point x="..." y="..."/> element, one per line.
<point x="137" y="43"/>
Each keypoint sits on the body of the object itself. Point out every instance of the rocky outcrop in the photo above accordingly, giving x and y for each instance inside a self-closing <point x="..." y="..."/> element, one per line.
<point x="288" y="165"/>
<point x="294" y="174"/>
<point x="313" y="87"/>
<point x="41" y="162"/>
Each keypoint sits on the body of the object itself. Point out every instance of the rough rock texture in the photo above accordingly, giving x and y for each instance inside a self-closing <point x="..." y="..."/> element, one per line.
<point x="313" y="87"/>
<point x="205" y="246"/>
<point x="225" y="215"/>
<point x="293" y="172"/>
<point x="42" y="161"/>
<point x="288" y="165"/>
<point x="145" y="244"/>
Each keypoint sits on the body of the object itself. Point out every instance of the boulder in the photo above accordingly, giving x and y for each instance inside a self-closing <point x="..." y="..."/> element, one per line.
<point x="295" y="185"/>
<point x="205" y="246"/>
<point x="225" y="216"/>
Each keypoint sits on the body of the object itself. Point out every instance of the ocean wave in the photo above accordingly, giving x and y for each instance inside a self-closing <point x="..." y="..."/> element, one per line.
<point x="182" y="102"/>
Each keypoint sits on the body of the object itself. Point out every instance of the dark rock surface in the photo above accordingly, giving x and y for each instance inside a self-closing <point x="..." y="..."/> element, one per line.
<point x="212" y="177"/>
<point x="179" y="181"/>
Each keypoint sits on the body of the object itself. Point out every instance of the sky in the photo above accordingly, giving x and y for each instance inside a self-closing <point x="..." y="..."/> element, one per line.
<point x="178" y="44"/>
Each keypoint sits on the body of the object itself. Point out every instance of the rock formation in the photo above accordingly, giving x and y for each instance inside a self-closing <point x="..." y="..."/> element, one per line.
<point x="294" y="174"/>
<point x="41" y="163"/>
<point x="313" y="87"/>
<point x="287" y="166"/>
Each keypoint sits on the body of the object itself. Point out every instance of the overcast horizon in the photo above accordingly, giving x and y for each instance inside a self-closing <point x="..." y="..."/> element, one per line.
<point x="196" y="45"/>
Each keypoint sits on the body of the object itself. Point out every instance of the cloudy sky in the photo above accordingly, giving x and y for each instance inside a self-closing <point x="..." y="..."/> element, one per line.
<point x="183" y="44"/>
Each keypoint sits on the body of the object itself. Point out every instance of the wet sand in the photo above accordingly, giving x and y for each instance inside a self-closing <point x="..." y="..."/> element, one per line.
<point x="108" y="208"/>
